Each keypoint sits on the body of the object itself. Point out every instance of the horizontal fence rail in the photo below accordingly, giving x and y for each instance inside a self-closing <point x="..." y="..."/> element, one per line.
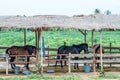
<point x="55" y="49"/>
<point x="23" y="60"/>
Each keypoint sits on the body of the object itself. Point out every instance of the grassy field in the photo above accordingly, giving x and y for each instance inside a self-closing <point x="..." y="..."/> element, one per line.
<point x="56" y="38"/>
<point x="63" y="77"/>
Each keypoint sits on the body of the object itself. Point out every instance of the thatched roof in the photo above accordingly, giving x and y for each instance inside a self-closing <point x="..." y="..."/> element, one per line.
<point x="89" y="22"/>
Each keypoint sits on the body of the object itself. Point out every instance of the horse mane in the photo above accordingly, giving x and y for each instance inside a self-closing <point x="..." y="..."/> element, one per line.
<point x="97" y="48"/>
<point x="85" y="44"/>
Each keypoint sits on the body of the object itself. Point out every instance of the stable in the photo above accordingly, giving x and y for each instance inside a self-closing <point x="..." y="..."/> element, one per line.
<point x="38" y="23"/>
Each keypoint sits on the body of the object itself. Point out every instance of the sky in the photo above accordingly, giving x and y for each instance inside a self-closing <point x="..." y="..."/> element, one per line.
<point x="57" y="7"/>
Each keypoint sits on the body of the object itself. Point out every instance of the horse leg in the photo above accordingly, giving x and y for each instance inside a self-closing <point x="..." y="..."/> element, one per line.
<point x="58" y="57"/>
<point x="56" y="63"/>
<point x="98" y="63"/>
<point x="12" y="60"/>
<point x="27" y="65"/>
<point x="76" y="64"/>
<point x="65" y="63"/>
<point x="61" y="63"/>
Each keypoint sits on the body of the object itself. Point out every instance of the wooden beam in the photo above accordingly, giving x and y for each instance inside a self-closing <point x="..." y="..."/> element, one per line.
<point x="82" y="32"/>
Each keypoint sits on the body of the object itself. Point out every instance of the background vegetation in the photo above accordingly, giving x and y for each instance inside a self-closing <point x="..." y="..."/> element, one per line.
<point x="56" y="37"/>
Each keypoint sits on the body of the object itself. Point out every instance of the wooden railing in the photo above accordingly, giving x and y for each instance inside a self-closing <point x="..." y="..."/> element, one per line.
<point x="24" y="61"/>
<point x="91" y="59"/>
<point x="5" y="56"/>
<point x="55" y="49"/>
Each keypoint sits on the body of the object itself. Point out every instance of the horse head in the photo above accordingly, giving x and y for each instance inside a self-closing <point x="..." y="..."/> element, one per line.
<point x="8" y="51"/>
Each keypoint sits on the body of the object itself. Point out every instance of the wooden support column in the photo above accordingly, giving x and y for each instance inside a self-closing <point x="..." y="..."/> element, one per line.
<point x="85" y="36"/>
<point x="92" y="38"/>
<point x="24" y="36"/>
<point x="39" y="36"/>
<point x="36" y="38"/>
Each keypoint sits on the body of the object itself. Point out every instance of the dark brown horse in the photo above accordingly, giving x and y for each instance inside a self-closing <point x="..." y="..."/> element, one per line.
<point x="97" y="51"/>
<point x="21" y="50"/>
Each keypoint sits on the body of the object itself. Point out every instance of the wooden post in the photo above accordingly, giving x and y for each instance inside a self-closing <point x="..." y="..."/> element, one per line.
<point x="39" y="35"/>
<point x="85" y="36"/>
<point x="92" y="39"/>
<point x="94" y="61"/>
<point x="69" y="65"/>
<point x="24" y="36"/>
<point x="110" y="53"/>
<point x="101" y="50"/>
<point x="41" y="54"/>
<point x="48" y="57"/>
<point x="36" y="39"/>
<point x="7" y="65"/>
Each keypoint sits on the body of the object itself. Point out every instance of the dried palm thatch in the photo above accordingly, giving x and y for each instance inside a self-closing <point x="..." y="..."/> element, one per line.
<point x="89" y="22"/>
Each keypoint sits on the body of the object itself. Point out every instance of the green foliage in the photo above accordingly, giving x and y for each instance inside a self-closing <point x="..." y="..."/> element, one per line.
<point x="102" y="73"/>
<point x="39" y="67"/>
<point x="56" y="38"/>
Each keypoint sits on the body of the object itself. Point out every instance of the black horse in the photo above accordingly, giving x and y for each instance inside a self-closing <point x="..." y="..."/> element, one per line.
<point x="21" y="50"/>
<point x="74" y="49"/>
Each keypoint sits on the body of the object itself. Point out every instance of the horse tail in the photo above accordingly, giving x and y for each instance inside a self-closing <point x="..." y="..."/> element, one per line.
<point x="6" y="51"/>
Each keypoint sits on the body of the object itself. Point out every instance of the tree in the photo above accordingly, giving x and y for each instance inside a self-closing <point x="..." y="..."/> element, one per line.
<point x="97" y="11"/>
<point x="108" y="12"/>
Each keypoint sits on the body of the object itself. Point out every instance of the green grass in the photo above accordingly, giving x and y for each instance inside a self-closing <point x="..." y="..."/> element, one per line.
<point x="44" y="77"/>
<point x="106" y="77"/>
<point x="61" y="77"/>
<point x="56" y="38"/>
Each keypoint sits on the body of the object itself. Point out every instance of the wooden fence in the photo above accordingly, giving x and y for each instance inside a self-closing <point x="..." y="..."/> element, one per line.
<point x="22" y="59"/>
<point x="86" y="58"/>
<point x="5" y="56"/>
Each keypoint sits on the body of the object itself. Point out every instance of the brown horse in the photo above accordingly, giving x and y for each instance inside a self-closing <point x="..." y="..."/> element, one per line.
<point x="97" y="51"/>
<point x="21" y="50"/>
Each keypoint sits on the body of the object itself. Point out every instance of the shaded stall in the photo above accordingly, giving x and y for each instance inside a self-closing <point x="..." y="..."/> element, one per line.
<point x="38" y="23"/>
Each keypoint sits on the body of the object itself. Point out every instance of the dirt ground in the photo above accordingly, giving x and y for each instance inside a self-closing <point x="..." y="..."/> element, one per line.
<point x="64" y="71"/>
